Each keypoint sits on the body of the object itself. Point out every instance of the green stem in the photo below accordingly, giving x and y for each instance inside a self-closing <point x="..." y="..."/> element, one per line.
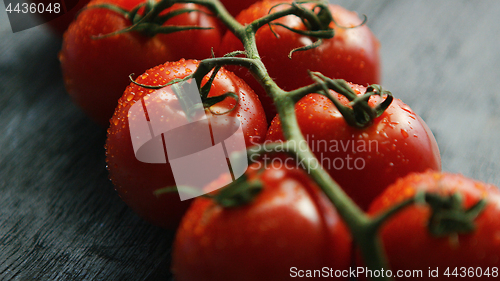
<point x="359" y="223"/>
<point x="158" y="8"/>
<point x="269" y="18"/>
<point x="295" y="9"/>
<point x="216" y="7"/>
<point x="298" y="94"/>
<point x="363" y="229"/>
<point x="380" y="219"/>
<point x="372" y="251"/>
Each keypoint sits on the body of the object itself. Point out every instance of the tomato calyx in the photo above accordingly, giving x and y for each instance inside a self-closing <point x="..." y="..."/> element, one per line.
<point x="180" y="86"/>
<point x="448" y="216"/>
<point x="150" y="22"/>
<point x="317" y="24"/>
<point x="317" y="21"/>
<point x="238" y="193"/>
<point x="208" y="102"/>
<point x="358" y="113"/>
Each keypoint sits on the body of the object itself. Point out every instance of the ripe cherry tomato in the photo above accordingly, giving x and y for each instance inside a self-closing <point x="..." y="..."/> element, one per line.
<point x="96" y="70"/>
<point x="136" y="181"/>
<point x="60" y="24"/>
<point x="410" y="246"/>
<point x="289" y="228"/>
<point x="353" y="54"/>
<point x="364" y="161"/>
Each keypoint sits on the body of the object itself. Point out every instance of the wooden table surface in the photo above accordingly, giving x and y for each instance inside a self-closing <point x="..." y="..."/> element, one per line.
<point x="60" y="218"/>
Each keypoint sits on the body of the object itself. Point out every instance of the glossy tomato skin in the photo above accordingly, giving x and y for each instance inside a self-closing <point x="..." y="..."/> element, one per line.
<point x="353" y="54"/>
<point x="410" y="246"/>
<point x="136" y="181"/>
<point x="59" y="25"/>
<point x="289" y="224"/>
<point x="96" y="70"/>
<point x="364" y="161"/>
<point x="234" y="7"/>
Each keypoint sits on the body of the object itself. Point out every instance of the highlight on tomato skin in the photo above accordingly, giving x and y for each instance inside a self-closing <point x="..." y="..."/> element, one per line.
<point x="137" y="181"/>
<point x="290" y="224"/>
<point x="408" y="243"/>
<point x="352" y="54"/>
<point x="364" y="161"/>
<point x="96" y="70"/>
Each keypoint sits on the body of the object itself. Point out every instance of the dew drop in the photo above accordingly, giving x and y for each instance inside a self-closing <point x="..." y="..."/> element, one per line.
<point x="404" y="133"/>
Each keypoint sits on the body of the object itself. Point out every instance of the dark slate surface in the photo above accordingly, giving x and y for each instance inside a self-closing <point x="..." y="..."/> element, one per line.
<point x="60" y="218"/>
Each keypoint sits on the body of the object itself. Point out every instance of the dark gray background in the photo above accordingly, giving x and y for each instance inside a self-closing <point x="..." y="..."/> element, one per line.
<point x="60" y="218"/>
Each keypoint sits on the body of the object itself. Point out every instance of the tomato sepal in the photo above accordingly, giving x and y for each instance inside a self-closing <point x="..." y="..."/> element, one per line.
<point x="238" y="193"/>
<point x="358" y="113"/>
<point x="151" y="23"/>
<point x="449" y="217"/>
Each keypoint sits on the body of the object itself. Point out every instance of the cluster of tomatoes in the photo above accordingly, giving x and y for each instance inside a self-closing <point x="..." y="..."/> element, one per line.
<point x="291" y="223"/>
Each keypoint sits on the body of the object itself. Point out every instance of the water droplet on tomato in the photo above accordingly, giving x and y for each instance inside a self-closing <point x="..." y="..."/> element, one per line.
<point x="404" y="133"/>
<point x="407" y="110"/>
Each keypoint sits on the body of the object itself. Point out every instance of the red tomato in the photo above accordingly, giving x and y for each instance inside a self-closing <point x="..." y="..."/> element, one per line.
<point x="236" y="6"/>
<point x="364" y="161"/>
<point x="96" y="71"/>
<point x="136" y="181"/>
<point x="289" y="228"/>
<point x="60" y="24"/>
<point x="353" y="54"/>
<point x="409" y="244"/>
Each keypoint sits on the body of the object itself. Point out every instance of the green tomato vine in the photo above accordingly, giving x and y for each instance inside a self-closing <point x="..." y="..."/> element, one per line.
<point x="362" y="227"/>
<point x="448" y="215"/>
